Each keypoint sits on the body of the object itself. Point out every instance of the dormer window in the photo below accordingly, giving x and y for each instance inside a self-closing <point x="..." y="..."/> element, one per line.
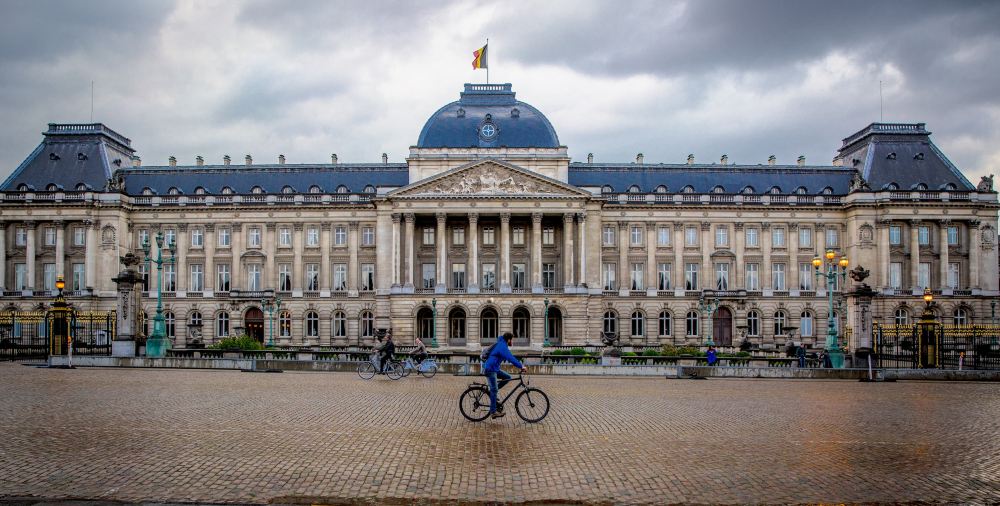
<point x="173" y="191"/>
<point x="950" y="187"/>
<point x="227" y="190"/>
<point x="687" y="189"/>
<point x="287" y="189"/>
<point x="342" y="189"/>
<point x="801" y="190"/>
<point x="918" y="156"/>
<point x="921" y="187"/>
<point x="22" y="187"/>
<point x="748" y="190"/>
<point x="827" y="191"/>
<point x="892" y="187"/>
<point x="775" y="190"/>
<point x="892" y="156"/>
<point x="719" y="189"/>
<point x="634" y="189"/>
<point x="199" y="191"/>
<point x="607" y="189"/>
<point x="81" y="187"/>
<point x="81" y="156"/>
<point x="51" y="188"/>
<point x="53" y="156"/>
<point x="256" y="190"/>
<point x="315" y="189"/>
<point x="661" y="189"/>
<point x="369" y="189"/>
<point x="147" y="191"/>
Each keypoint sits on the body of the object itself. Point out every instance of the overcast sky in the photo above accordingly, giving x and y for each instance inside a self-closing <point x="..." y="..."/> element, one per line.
<point x="311" y="78"/>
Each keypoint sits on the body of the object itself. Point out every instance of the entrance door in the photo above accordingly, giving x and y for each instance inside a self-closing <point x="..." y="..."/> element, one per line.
<point x="253" y="321"/>
<point x="722" y="327"/>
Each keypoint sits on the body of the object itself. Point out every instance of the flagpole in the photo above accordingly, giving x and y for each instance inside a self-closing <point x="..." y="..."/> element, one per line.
<point x="487" y="60"/>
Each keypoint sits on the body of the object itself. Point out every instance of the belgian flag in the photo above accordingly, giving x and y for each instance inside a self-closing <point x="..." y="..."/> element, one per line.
<point x="480" y="61"/>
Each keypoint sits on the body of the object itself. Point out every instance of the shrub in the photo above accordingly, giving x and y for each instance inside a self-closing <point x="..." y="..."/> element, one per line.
<point x="577" y="351"/>
<point x="243" y="342"/>
<point x="560" y="352"/>
<point x="629" y="354"/>
<point x="651" y="353"/>
<point x="669" y="350"/>
<point x="690" y="350"/>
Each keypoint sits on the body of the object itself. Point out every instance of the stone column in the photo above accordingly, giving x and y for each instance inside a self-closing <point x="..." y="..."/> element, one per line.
<point x="3" y="255"/>
<point x="209" y="258"/>
<point x="707" y="246"/>
<point x="236" y="274"/>
<point x="975" y="251"/>
<point x="914" y="254"/>
<point x="582" y="230"/>
<point x="91" y="277"/>
<point x="352" y="262"/>
<point x="567" y="252"/>
<point x="325" y="275"/>
<point x="442" y="256"/>
<point x="29" y="255"/>
<point x="505" y="252"/>
<point x="678" y="269"/>
<point x="883" y="253"/>
<point x="651" y="285"/>
<point x="473" y="240"/>
<point x="60" y="248"/>
<point x="765" y="266"/>
<point x="409" y="249"/>
<point x="182" y="253"/>
<point x="792" y="269"/>
<point x="943" y="245"/>
<point x="624" y="280"/>
<point x="271" y="269"/>
<point x="739" y="240"/>
<point x="536" y="253"/>
<point x="396" y="218"/>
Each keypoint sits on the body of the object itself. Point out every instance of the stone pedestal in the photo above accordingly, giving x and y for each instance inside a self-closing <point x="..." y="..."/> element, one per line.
<point x="128" y="308"/>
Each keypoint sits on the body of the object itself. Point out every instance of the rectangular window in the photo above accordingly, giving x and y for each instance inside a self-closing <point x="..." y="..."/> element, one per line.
<point x="721" y="237"/>
<point x="489" y="276"/>
<point x="805" y="238"/>
<point x="753" y="237"/>
<point x="778" y="277"/>
<point x="143" y="236"/>
<point x="806" y="276"/>
<point x="285" y="237"/>
<point x="21" y="276"/>
<point x="923" y="235"/>
<point x="691" y="276"/>
<point x="169" y="237"/>
<point x="312" y="237"/>
<point x="458" y="276"/>
<point x="952" y="236"/>
<point x="253" y="277"/>
<point x="923" y="275"/>
<point x="608" y="275"/>
<point x="895" y="235"/>
<point x="778" y="237"/>
<point x="691" y="236"/>
<point x="340" y="236"/>
<point x="253" y="237"/>
<point x="284" y="277"/>
<point x="548" y="276"/>
<point x="367" y="277"/>
<point x="79" y="277"/>
<point x="197" y="277"/>
<point x="222" y="277"/>
<point x="517" y="276"/>
<point x="49" y="277"/>
<point x="663" y="236"/>
<point x="548" y="236"/>
<point x="427" y="275"/>
<point x="368" y="236"/>
<point x="197" y="237"/>
<point x="144" y="274"/>
<point x="895" y="275"/>
<point x="663" y="276"/>
<point x="225" y="239"/>
<point x="458" y="236"/>
<point x="635" y="236"/>
<point x="832" y="237"/>
<point x="339" y="277"/>
<point x="79" y="236"/>
<point x="636" y="275"/>
<point x="21" y="236"/>
<point x="312" y="277"/>
<point x="954" y="270"/>
<point x="753" y="277"/>
<point x="489" y="236"/>
<point x="170" y="277"/>
<point x="722" y="276"/>
<point x="518" y="236"/>
<point x="608" y="235"/>
<point x="428" y="236"/>
<point x="50" y="237"/>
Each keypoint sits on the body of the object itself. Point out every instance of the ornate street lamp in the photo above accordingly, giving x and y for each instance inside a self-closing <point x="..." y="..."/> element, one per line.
<point x="545" y="318"/>
<point x="271" y="305"/>
<point x="927" y="354"/>
<point x="156" y="345"/>
<point x="61" y="329"/>
<point x="708" y="307"/>
<point x="434" y="315"/>
<point x="834" y="268"/>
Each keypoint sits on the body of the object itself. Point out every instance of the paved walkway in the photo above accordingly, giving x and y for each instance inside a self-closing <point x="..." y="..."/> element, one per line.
<point x="219" y="436"/>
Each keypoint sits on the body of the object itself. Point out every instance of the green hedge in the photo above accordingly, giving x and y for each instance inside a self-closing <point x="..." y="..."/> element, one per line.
<point x="243" y="342"/>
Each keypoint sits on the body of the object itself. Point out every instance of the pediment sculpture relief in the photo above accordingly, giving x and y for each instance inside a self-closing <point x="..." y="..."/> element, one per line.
<point x="488" y="181"/>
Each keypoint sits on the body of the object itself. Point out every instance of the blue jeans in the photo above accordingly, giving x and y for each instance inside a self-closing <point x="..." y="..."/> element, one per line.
<point x="491" y="378"/>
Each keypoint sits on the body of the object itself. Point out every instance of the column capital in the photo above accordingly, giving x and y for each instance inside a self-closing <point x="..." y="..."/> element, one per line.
<point x="765" y="225"/>
<point x="581" y="217"/>
<point x="441" y="218"/>
<point x="819" y="226"/>
<point x="915" y="221"/>
<point x="679" y="225"/>
<point x="325" y="226"/>
<point x="706" y="225"/>
<point x="568" y="217"/>
<point x="945" y="222"/>
<point x="536" y="218"/>
<point x="974" y="223"/>
<point x="473" y="218"/>
<point x="60" y="223"/>
<point x="270" y="226"/>
<point x="353" y="226"/>
<point x="409" y="217"/>
<point x="738" y="226"/>
<point x="182" y="227"/>
<point x="210" y="227"/>
<point x="31" y="224"/>
<point x="396" y="218"/>
<point x="505" y="218"/>
<point x="622" y="225"/>
<point x="237" y="227"/>
<point x="298" y="226"/>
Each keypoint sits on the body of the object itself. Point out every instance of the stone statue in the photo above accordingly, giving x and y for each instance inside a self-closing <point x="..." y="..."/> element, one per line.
<point x="859" y="274"/>
<point x="858" y="183"/>
<point x="986" y="184"/>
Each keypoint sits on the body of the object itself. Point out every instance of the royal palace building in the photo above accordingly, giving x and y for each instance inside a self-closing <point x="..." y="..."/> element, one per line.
<point x="489" y="226"/>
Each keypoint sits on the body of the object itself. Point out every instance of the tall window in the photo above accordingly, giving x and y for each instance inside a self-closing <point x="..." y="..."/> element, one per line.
<point x="50" y="236"/>
<point x="225" y="239"/>
<point x="952" y="236"/>
<point x="521" y="320"/>
<point x="517" y="234"/>
<point x="805" y="237"/>
<point x="954" y="271"/>
<point x="805" y="276"/>
<point x="548" y="236"/>
<point x="367" y="324"/>
<point x="312" y="277"/>
<point x="488" y="324"/>
<point x="143" y="236"/>
<point x="636" y="275"/>
<point x="779" y="323"/>
<point x="635" y="235"/>
<point x="169" y="237"/>
<point x="665" y="327"/>
<point x="548" y="276"/>
<point x="691" y="276"/>
<point x="895" y="275"/>
<point x="663" y="276"/>
<point x="21" y="276"/>
<point x="170" y="324"/>
<point x="691" y="323"/>
<point x="79" y="236"/>
<point x="753" y="277"/>
<point x="778" y="277"/>
<point x="517" y="276"/>
<point x="806" y="324"/>
<point x="691" y="236"/>
<point x="312" y="237"/>
<point x="458" y="276"/>
<point x="753" y="237"/>
<point x="222" y="324"/>
<point x="832" y="237"/>
<point x="197" y="237"/>
<point x="960" y="316"/>
<point x="638" y="324"/>
<point x="285" y="237"/>
<point x="721" y="236"/>
<point x="340" y="277"/>
<point x="253" y="277"/>
<point x="608" y="235"/>
<point x="21" y="236"/>
<point x="923" y="275"/>
<point x="777" y="237"/>
<point x="428" y="236"/>
<point x="169" y="277"/>
<point x="663" y="236"/>
<point x="490" y="277"/>
<point x="428" y="276"/>
<point x="312" y="324"/>
<point x="253" y="237"/>
<point x="489" y="238"/>
<point x="901" y="317"/>
<point x="49" y="277"/>
<point x="197" y="277"/>
<point x="339" y="324"/>
<point x="194" y="320"/>
<point x="924" y="235"/>
<point x="367" y="277"/>
<point x="368" y="236"/>
<point x="610" y="326"/>
<point x="284" y="277"/>
<point x="608" y="275"/>
<point x="722" y="276"/>
<point x="895" y="235"/>
<point x="285" y="324"/>
<point x="753" y="324"/>
<point x="458" y="236"/>
<point x="340" y="236"/>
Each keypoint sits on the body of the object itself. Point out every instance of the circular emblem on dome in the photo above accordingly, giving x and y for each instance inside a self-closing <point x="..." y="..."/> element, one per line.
<point x="488" y="131"/>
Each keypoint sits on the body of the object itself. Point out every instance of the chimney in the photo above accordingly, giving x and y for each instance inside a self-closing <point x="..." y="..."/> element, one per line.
<point x="690" y="159"/>
<point x="226" y="160"/>
<point x="724" y="160"/>
<point x="802" y="160"/>
<point x="333" y="158"/>
<point x="385" y="158"/>
<point x="771" y="160"/>
<point x="136" y="161"/>
<point x="590" y="158"/>
<point x="249" y="160"/>
<point x="172" y="161"/>
<point x="281" y="159"/>
<point x="199" y="161"/>
<point x="638" y="159"/>
<point x="838" y="162"/>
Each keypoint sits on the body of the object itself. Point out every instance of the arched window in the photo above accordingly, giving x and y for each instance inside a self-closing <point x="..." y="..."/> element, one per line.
<point x="610" y="323"/>
<point x="312" y="324"/>
<point x="747" y="190"/>
<point x="367" y="324"/>
<point x="456" y="324"/>
<point x="341" y="189"/>
<point x="488" y="324"/>
<point x="634" y="189"/>
<point x="921" y="187"/>
<point x="369" y="189"/>
<point x="827" y="191"/>
<point x="901" y="317"/>
<point x="23" y="188"/>
<point x="779" y="323"/>
<point x="339" y="324"/>
<point x="285" y="324"/>
<point x="801" y="190"/>
<point x="194" y="319"/>
<point x="661" y="189"/>
<point x="287" y="189"/>
<point x="227" y="190"/>
<point x="170" y="322"/>
<point x="173" y="191"/>
<point x="147" y="191"/>
<point x="199" y="191"/>
<point x="522" y="323"/>
<point x="554" y="323"/>
<point x="425" y="323"/>
<point x="315" y="189"/>
<point x="719" y="189"/>
<point x="666" y="327"/>
<point x="806" y="327"/>
<point x="638" y="324"/>
<point x="775" y="190"/>
<point x="51" y="188"/>
<point x="256" y="190"/>
<point x="691" y="323"/>
<point x="892" y="187"/>
<point x="222" y="324"/>
<point x="753" y="324"/>
<point x="82" y="187"/>
<point x="950" y="187"/>
<point x="960" y="316"/>
<point x="687" y="189"/>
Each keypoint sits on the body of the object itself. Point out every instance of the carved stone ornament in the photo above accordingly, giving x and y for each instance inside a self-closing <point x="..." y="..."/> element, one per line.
<point x="488" y="180"/>
<point x="858" y="183"/>
<point x="986" y="184"/>
<point x="859" y="274"/>
<point x="865" y="233"/>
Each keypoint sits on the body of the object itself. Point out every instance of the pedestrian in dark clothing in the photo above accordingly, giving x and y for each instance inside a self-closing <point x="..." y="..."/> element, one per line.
<point x="801" y="353"/>
<point x="499" y="353"/>
<point x="712" y="359"/>
<point x="385" y="353"/>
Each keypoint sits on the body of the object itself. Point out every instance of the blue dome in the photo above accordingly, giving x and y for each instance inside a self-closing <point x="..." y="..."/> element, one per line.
<point x="488" y="116"/>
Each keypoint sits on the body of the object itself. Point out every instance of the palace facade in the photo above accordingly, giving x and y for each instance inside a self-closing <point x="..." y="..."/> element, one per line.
<point x="489" y="226"/>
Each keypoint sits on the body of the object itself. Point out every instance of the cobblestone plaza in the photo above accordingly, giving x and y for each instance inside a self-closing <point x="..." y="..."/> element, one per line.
<point x="214" y="436"/>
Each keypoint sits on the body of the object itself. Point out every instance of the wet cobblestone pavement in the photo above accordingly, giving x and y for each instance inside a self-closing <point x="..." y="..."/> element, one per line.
<point x="222" y="436"/>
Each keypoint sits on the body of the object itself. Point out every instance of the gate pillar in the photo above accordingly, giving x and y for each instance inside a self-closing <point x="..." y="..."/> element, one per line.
<point x="128" y="308"/>
<point x="859" y="314"/>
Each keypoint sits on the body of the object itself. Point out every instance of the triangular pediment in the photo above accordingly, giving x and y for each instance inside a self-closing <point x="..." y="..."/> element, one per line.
<point x="489" y="179"/>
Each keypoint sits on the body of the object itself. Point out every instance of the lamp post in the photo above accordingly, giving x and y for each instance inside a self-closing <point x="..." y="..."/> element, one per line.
<point x="156" y="345"/>
<point x="60" y="322"/>
<point x="434" y="315"/>
<point x="928" y="340"/>
<point x="271" y="305"/>
<point x="834" y="267"/>
<point x="545" y="319"/>
<point x="708" y="307"/>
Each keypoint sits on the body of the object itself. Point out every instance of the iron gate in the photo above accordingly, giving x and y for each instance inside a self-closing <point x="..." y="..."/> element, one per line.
<point x="92" y="333"/>
<point x="27" y="335"/>
<point x="23" y="335"/>
<point x="943" y="346"/>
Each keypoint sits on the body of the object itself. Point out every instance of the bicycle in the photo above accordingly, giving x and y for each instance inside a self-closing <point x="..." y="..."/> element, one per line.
<point x="427" y="367"/>
<point x="368" y="368"/>
<point x="531" y="404"/>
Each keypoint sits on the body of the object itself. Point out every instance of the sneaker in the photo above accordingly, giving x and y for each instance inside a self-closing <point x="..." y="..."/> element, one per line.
<point x="498" y="414"/>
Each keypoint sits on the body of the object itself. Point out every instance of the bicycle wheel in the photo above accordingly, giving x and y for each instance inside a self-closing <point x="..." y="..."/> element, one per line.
<point x="532" y="405"/>
<point x="429" y="370"/>
<point x="394" y="371"/>
<point x="406" y="369"/>
<point x="366" y="370"/>
<point x="475" y="403"/>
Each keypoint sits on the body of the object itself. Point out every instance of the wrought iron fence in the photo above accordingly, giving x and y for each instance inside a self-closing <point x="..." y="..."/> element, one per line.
<point x="28" y="335"/>
<point x="921" y="345"/>
<point x="23" y="335"/>
<point x="93" y="332"/>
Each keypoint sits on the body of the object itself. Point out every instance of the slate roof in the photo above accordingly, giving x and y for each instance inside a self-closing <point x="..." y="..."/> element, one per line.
<point x="70" y="155"/>
<point x="271" y="178"/>
<point x="519" y="125"/>
<point x="704" y="178"/>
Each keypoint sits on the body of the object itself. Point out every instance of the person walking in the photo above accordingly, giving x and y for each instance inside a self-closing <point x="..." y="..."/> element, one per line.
<point x="801" y="354"/>
<point x="499" y="353"/>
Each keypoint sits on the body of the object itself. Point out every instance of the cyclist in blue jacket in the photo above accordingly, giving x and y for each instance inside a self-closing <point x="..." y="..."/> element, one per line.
<point x="491" y="369"/>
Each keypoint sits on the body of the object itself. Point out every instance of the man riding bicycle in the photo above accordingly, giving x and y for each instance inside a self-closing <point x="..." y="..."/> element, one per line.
<point x="385" y="352"/>
<point x="420" y="352"/>
<point x="499" y="352"/>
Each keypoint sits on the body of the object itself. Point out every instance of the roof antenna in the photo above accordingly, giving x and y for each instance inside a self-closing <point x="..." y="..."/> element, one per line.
<point x="880" y="118"/>
<point x="91" y="101"/>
